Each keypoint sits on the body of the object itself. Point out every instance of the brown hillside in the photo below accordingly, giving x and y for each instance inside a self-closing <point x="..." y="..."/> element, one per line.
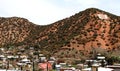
<point x="14" y="30"/>
<point x="91" y="28"/>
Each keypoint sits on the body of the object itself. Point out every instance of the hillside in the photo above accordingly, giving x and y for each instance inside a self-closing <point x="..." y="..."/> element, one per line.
<point x="79" y="34"/>
<point x="13" y="30"/>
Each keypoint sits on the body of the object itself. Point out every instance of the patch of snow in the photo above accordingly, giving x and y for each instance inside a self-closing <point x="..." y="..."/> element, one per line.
<point x="102" y="16"/>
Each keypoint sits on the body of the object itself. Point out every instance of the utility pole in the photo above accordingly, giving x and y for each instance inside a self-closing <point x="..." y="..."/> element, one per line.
<point x="21" y="68"/>
<point x="47" y="65"/>
<point x="33" y="66"/>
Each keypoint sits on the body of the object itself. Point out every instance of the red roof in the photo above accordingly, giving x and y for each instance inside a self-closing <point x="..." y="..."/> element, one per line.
<point x="45" y="65"/>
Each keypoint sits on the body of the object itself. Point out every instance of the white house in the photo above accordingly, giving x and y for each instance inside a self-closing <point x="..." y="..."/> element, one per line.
<point x="99" y="69"/>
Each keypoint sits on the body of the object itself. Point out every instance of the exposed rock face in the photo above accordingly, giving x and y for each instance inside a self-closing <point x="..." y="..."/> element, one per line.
<point x="102" y="16"/>
<point x="91" y="28"/>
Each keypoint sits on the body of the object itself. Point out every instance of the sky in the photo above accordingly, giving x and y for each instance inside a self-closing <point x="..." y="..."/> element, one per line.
<point x="44" y="12"/>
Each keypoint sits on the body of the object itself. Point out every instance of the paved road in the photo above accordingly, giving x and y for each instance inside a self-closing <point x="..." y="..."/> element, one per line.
<point x="117" y="69"/>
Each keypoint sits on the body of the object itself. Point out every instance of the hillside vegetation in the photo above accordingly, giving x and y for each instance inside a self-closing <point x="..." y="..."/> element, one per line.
<point x="81" y="34"/>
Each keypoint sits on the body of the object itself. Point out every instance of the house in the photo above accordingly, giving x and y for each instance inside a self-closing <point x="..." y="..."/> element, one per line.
<point x="66" y="69"/>
<point x="42" y="58"/>
<point x="99" y="69"/>
<point x="95" y="67"/>
<point x="8" y="70"/>
<point x="25" y="61"/>
<point x="46" y="66"/>
<point x="2" y="56"/>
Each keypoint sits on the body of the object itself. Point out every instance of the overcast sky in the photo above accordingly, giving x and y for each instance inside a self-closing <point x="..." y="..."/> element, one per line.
<point x="45" y="12"/>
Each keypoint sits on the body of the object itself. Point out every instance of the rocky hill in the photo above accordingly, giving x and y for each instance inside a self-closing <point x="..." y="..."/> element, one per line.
<point x="81" y="33"/>
<point x="14" y="30"/>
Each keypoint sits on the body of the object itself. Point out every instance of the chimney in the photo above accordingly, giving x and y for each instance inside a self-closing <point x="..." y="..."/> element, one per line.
<point x="95" y="67"/>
